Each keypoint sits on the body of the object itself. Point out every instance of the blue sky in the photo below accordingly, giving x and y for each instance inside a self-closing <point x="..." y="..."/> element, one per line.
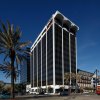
<point x="32" y="15"/>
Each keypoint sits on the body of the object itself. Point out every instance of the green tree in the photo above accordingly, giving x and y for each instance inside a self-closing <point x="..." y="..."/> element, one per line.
<point x="73" y="77"/>
<point x="67" y="78"/>
<point x="20" y="88"/>
<point x="8" y="89"/>
<point x="12" y="48"/>
<point x="1" y="86"/>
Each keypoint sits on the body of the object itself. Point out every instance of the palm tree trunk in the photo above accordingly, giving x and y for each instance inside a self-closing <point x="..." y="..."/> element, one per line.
<point x="12" y="80"/>
<point x="12" y="58"/>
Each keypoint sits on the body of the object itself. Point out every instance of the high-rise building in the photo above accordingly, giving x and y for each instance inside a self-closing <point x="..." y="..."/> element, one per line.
<point x="54" y="53"/>
<point x="25" y="69"/>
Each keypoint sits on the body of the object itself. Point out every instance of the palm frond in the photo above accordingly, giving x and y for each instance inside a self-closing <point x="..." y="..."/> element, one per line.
<point x="9" y="27"/>
<point x="17" y="35"/>
<point x="4" y="32"/>
<point x="12" y="28"/>
<point x="23" y="44"/>
<point x="3" y="27"/>
<point x="6" y="56"/>
<point x="3" y="39"/>
<point x="6" y="69"/>
<point x="20" y="57"/>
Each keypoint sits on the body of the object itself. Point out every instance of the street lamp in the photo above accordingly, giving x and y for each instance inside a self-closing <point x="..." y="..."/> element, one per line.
<point x="96" y="71"/>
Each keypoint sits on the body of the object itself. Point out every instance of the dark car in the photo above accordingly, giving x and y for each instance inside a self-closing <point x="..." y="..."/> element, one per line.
<point x="64" y="93"/>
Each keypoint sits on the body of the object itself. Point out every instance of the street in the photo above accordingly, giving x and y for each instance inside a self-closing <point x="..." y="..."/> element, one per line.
<point x="52" y="97"/>
<point x="73" y="97"/>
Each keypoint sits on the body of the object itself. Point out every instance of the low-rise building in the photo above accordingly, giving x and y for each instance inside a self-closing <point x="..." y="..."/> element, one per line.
<point x="88" y="80"/>
<point x="85" y="79"/>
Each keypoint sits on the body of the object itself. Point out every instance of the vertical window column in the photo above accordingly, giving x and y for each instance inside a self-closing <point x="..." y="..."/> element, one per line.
<point x="41" y="62"/>
<point x="66" y="52"/>
<point x="70" y="55"/>
<point x="37" y="64"/>
<point x="73" y="53"/>
<point x="46" y="60"/>
<point x="53" y="54"/>
<point x="58" y="55"/>
<point x="50" y="56"/>
<point x="62" y="59"/>
<point x="76" y="56"/>
<point x="31" y="64"/>
<point x="33" y="68"/>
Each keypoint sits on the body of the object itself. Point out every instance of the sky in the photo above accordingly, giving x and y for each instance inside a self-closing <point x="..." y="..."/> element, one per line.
<point x="32" y="15"/>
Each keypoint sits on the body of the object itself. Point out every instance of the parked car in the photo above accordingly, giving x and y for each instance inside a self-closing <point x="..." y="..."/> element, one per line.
<point x="64" y="93"/>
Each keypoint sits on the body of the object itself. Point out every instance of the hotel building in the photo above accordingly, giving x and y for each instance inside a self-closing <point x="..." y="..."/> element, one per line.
<point x="85" y="79"/>
<point x="54" y="53"/>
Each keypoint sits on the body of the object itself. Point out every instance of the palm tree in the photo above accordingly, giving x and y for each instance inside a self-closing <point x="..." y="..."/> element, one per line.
<point x="12" y="48"/>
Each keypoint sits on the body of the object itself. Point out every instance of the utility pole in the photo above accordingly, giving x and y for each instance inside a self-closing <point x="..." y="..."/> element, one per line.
<point x="96" y="78"/>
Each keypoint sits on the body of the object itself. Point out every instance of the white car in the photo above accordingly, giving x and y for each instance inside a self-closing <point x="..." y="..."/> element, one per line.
<point x="33" y="92"/>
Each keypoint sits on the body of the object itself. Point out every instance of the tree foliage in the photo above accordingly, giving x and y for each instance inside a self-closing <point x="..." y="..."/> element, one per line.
<point x="6" y="68"/>
<point x="71" y="76"/>
<point x="1" y="86"/>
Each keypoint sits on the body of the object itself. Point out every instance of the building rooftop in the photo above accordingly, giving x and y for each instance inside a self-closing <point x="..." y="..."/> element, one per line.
<point x="65" y="20"/>
<point x="62" y="20"/>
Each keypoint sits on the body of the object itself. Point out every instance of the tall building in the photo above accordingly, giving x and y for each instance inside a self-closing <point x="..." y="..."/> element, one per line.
<point x="54" y="53"/>
<point x="25" y="69"/>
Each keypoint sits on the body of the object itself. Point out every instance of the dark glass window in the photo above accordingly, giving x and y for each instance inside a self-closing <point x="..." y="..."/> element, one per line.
<point x="35" y="67"/>
<point x="72" y="30"/>
<point x="50" y="56"/>
<point x="73" y="54"/>
<point x="66" y="51"/>
<point x="58" y="21"/>
<point x="39" y="63"/>
<point x="58" y="55"/>
<point x="44" y="60"/>
<point x="28" y="66"/>
<point x="31" y="69"/>
<point x="66" y="26"/>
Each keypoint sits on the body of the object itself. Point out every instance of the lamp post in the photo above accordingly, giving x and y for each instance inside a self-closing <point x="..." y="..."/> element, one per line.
<point x="96" y="79"/>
